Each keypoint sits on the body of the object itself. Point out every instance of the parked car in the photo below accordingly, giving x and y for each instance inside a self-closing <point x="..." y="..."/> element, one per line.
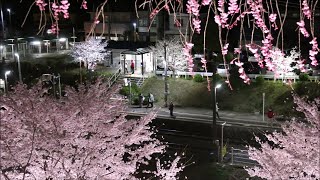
<point x="222" y="69"/>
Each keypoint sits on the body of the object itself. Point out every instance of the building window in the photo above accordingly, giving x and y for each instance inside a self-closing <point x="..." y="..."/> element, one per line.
<point x="143" y="22"/>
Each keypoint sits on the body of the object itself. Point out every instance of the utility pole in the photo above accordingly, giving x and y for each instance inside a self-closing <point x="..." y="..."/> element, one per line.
<point x="165" y="76"/>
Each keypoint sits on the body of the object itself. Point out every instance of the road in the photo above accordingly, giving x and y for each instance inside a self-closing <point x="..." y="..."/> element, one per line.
<point x="190" y="132"/>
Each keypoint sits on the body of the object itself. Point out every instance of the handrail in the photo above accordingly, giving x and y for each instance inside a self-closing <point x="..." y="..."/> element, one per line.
<point x="113" y="78"/>
<point x="252" y="76"/>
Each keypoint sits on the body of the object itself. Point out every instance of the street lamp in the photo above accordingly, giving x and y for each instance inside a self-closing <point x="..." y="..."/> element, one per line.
<point x="6" y="80"/>
<point x="214" y="120"/>
<point x="165" y="76"/>
<point x="9" y="10"/>
<point x="134" y="31"/>
<point x="222" y="125"/>
<point x="19" y="67"/>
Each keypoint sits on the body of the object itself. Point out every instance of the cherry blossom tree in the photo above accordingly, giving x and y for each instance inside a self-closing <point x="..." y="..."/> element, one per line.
<point x="263" y="17"/>
<point x="285" y="63"/>
<point x="293" y="153"/>
<point x="175" y="58"/>
<point x="90" y="52"/>
<point x="84" y="135"/>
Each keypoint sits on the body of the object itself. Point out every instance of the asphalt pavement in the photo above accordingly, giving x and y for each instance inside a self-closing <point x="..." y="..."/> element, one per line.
<point x="202" y="115"/>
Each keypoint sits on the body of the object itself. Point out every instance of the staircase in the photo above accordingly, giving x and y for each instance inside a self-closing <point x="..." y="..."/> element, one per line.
<point x="136" y="80"/>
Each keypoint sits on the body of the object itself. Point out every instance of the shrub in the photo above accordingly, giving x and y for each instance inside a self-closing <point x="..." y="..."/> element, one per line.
<point x="126" y="90"/>
<point x="259" y="80"/>
<point x="198" y="78"/>
<point x="304" y="77"/>
<point x="216" y="78"/>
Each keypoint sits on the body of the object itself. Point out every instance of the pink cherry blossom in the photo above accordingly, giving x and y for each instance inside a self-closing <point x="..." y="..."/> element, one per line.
<point x="233" y="7"/>
<point x="193" y="7"/>
<point x="41" y="4"/>
<point x="314" y="51"/>
<point x="302" y="29"/>
<point x="224" y="50"/>
<point x="305" y="9"/>
<point x="83" y="134"/>
<point x="293" y="152"/>
<point x="196" y="24"/>
<point x="272" y="17"/>
<point x="206" y="2"/>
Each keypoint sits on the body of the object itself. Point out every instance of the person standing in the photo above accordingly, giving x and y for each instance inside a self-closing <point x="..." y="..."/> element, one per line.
<point x="150" y="100"/>
<point x="141" y="99"/>
<point x="132" y="67"/>
<point x="270" y="115"/>
<point x="217" y="109"/>
<point x="171" y="109"/>
<point x="126" y="68"/>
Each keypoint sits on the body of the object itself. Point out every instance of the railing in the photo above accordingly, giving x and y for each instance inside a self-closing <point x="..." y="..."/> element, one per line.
<point x="114" y="78"/>
<point x="251" y="76"/>
<point x="241" y="157"/>
<point x="140" y="81"/>
<point x="184" y="73"/>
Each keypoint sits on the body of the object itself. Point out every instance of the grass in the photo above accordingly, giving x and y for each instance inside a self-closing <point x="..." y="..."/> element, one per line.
<point x="246" y="98"/>
<point x="182" y="92"/>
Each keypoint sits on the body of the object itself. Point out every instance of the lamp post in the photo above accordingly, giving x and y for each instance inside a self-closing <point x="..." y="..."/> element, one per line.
<point x="9" y="11"/>
<point x="214" y="121"/>
<point x="6" y="80"/>
<point x="19" y="67"/>
<point x="134" y="31"/>
<point x="165" y="76"/>
<point x="222" y="125"/>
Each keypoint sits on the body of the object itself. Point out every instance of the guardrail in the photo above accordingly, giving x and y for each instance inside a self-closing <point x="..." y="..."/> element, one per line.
<point x="179" y="73"/>
<point x="251" y="76"/>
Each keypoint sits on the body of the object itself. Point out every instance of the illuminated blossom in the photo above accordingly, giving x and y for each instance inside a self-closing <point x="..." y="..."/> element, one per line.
<point x="314" y="51"/>
<point x="196" y="24"/>
<point x="224" y="50"/>
<point x="293" y="152"/>
<point x="272" y="17"/>
<point x="206" y="2"/>
<point x="305" y="9"/>
<point x="302" y="29"/>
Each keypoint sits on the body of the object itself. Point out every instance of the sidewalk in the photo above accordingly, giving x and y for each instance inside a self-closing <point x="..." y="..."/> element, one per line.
<point x="202" y="113"/>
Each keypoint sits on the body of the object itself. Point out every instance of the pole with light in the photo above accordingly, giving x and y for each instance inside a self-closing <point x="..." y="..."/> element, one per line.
<point x="222" y="125"/>
<point x="6" y="80"/>
<point x="134" y="31"/>
<point x="165" y="76"/>
<point x="19" y="66"/>
<point x="9" y="10"/>
<point x="214" y="120"/>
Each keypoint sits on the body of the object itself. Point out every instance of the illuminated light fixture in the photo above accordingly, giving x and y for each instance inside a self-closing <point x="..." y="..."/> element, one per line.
<point x="35" y="43"/>
<point x="7" y="73"/>
<point x="218" y="86"/>
<point x="62" y="39"/>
